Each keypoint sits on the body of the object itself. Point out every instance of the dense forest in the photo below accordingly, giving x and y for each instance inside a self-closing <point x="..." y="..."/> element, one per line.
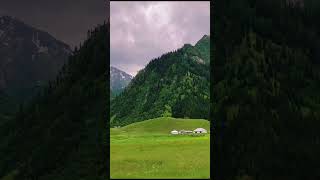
<point x="61" y="133"/>
<point x="265" y="89"/>
<point x="173" y="85"/>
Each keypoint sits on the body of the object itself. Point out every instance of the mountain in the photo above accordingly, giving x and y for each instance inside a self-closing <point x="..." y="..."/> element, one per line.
<point x="28" y="57"/>
<point x="175" y="84"/>
<point x="265" y="84"/>
<point x="202" y="46"/>
<point x="61" y="132"/>
<point x="118" y="80"/>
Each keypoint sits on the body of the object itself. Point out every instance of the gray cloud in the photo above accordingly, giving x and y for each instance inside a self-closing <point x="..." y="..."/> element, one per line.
<point x="141" y="31"/>
<point x="67" y="20"/>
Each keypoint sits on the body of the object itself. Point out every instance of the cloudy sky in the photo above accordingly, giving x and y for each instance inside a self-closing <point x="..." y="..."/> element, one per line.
<point x="141" y="31"/>
<point x="67" y="20"/>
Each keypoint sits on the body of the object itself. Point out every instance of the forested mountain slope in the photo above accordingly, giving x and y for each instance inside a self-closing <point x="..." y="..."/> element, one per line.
<point x="61" y="134"/>
<point x="175" y="84"/>
<point x="265" y="81"/>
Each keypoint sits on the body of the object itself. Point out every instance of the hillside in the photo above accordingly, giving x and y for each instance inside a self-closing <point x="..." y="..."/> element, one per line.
<point x="175" y="84"/>
<point x="203" y="46"/>
<point x="265" y="81"/>
<point x="60" y="134"/>
<point x="163" y="125"/>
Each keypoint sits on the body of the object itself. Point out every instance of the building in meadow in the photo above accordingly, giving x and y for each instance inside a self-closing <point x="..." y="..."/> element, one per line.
<point x="200" y="131"/>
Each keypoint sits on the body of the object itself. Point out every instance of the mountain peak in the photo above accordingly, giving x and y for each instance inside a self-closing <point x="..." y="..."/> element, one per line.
<point x="203" y="45"/>
<point x="38" y="50"/>
<point x="205" y="38"/>
<point x="118" y="80"/>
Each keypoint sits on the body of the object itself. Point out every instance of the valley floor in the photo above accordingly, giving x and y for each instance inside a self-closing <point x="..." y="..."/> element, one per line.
<point x="136" y="152"/>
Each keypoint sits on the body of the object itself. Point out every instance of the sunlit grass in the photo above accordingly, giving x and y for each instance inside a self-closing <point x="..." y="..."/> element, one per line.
<point x="139" y="151"/>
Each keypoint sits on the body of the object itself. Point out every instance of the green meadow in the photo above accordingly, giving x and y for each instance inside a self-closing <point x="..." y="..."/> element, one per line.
<point x="147" y="150"/>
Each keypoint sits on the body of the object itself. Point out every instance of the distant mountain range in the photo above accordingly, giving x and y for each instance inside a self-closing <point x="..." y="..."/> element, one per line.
<point x="118" y="81"/>
<point x="175" y="84"/>
<point x="28" y="57"/>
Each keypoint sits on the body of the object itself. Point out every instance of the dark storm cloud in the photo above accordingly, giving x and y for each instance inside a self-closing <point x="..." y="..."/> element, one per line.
<point x="141" y="31"/>
<point x="67" y="20"/>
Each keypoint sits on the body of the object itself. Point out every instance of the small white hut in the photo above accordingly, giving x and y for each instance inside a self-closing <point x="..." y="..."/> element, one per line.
<point x="200" y="130"/>
<point x="174" y="132"/>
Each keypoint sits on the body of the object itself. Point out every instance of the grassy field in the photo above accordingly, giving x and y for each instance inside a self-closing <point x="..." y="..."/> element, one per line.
<point x="148" y="150"/>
